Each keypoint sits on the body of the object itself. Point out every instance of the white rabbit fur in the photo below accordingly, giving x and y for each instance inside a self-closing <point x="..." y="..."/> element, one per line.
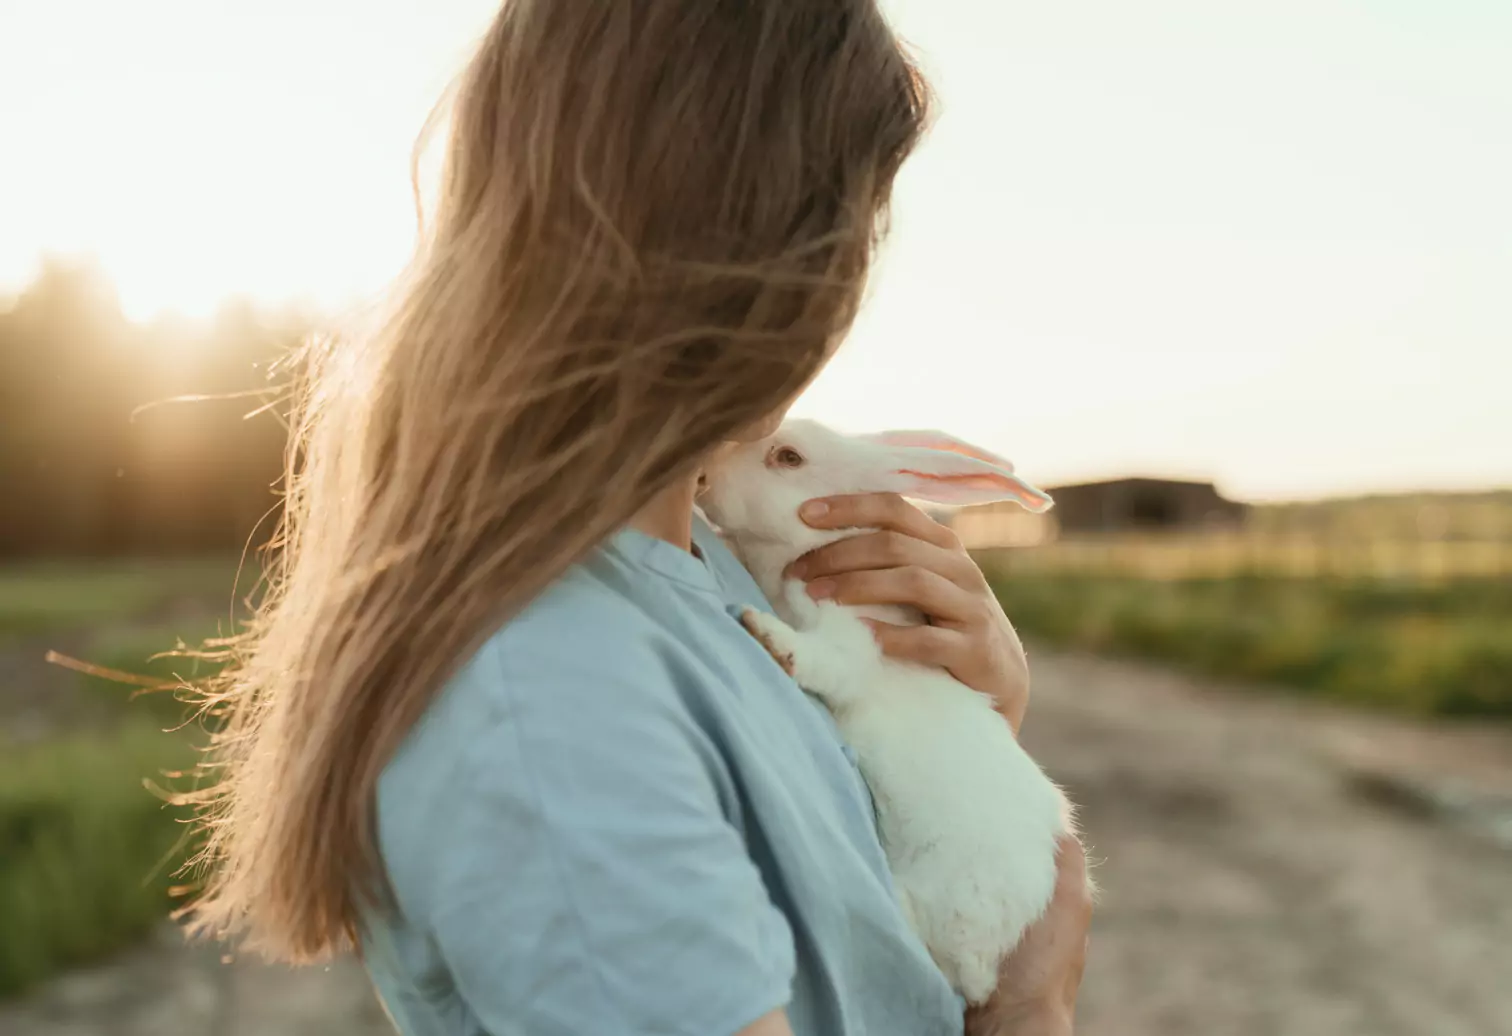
<point x="968" y="821"/>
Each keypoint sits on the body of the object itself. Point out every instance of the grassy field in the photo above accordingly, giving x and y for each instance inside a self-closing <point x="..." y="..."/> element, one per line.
<point x="53" y="596"/>
<point x="87" y="853"/>
<point x="1442" y="648"/>
<point x="87" y="850"/>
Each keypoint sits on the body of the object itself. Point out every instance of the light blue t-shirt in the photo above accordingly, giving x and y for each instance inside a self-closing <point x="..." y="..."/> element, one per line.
<point x="622" y="817"/>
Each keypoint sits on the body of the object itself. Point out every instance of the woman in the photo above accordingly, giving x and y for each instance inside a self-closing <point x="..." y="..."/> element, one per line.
<point x="497" y="725"/>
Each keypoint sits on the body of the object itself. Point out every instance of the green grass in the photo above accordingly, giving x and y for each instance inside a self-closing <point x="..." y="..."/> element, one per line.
<point x="44" y="597"/>
<point x="87" y="853"/>
<point x="1425" y="649"/>
<point x="148" y="654"/>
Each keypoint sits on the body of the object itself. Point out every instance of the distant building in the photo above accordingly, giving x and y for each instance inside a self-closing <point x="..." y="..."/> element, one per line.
<point x="1143" y="504"/>
<point x="1120" y="505"/>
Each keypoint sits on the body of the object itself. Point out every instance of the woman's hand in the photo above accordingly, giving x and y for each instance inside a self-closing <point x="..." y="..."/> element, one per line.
<point x="914" y="560"/>
<point x="1038" y="982"/>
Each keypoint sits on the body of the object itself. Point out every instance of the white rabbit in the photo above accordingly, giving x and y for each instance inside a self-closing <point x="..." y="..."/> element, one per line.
<point x="968" y="821"/>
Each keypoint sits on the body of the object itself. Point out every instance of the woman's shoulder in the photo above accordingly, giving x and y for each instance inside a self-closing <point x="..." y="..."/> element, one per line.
<point x="565" y="648"/>
<point x="574" y="638"/>
<point x="592" y="648"/>
<point x="583" y="682"/>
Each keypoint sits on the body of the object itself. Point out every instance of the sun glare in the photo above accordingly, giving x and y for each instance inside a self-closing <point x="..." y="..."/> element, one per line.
<point x="152" y="285"/>
<point x="193" y="172"/>
<point x="272" y="243"/>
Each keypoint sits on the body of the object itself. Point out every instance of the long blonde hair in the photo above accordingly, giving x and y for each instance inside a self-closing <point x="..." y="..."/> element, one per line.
<point x="654" y="217"/>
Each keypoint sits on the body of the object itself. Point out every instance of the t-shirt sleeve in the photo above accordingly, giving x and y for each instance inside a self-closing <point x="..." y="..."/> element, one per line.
<point x="589" y="878"/>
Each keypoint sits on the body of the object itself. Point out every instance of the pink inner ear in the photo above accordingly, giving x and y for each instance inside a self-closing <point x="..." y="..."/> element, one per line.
<point x="1003" y="486"/>
<point x="973" y="481"/>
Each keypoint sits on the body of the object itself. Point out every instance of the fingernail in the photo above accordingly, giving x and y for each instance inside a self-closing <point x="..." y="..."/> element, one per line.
<point x="814" y="509"/>
<point x="820" y="589"/>
<point x="798" y="569"/>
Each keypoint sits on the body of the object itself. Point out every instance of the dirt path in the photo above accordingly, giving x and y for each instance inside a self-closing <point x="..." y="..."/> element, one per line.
<point x="1250" y="887"/>
<point x="166" y="988"/>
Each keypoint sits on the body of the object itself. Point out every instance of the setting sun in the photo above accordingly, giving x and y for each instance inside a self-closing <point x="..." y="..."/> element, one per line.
<point x="276" y="169"/>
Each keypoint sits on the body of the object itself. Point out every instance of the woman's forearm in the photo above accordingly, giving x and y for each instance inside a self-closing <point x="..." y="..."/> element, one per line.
<point x="1039" y="980"/>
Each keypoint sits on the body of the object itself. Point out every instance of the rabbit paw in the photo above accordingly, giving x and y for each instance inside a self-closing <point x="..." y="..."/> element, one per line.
<point x="769" y="632"/>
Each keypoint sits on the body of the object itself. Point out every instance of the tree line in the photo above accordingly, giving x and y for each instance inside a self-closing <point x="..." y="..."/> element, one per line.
<point x="97" y="457"/>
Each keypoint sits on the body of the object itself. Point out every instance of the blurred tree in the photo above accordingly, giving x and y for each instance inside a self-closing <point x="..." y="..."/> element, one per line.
<point x="85" y="470"/>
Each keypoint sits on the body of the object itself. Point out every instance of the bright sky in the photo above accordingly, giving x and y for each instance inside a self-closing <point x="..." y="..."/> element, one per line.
<point x="1265" y="241"/>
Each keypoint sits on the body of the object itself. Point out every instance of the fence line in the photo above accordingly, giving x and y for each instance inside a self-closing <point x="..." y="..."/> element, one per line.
<point x="1218" y="554"/>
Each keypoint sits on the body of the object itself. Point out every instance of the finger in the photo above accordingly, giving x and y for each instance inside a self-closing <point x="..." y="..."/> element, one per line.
<point x="877" y="511"/>
<point x="929" y="592"/>
<point x="927" y="645"/>
<point x="1058" y="940"/>
<point x="886" y="549"/>
<point x="1071" y="864"/>
<point x="1073" y="887"/>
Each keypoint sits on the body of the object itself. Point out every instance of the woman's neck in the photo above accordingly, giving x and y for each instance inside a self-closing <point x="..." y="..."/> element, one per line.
<point x="669" y="516"/>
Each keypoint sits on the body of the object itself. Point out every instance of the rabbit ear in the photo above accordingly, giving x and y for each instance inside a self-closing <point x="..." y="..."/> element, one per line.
<point x="953" y="478"/>
<point x="935" y="440"/>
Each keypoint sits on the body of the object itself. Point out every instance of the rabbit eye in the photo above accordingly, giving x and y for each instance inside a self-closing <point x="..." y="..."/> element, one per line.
<point x="785" y="457"/>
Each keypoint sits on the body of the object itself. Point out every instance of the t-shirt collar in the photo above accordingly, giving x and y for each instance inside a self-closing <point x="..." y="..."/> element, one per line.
<point x="667" y="559"/>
